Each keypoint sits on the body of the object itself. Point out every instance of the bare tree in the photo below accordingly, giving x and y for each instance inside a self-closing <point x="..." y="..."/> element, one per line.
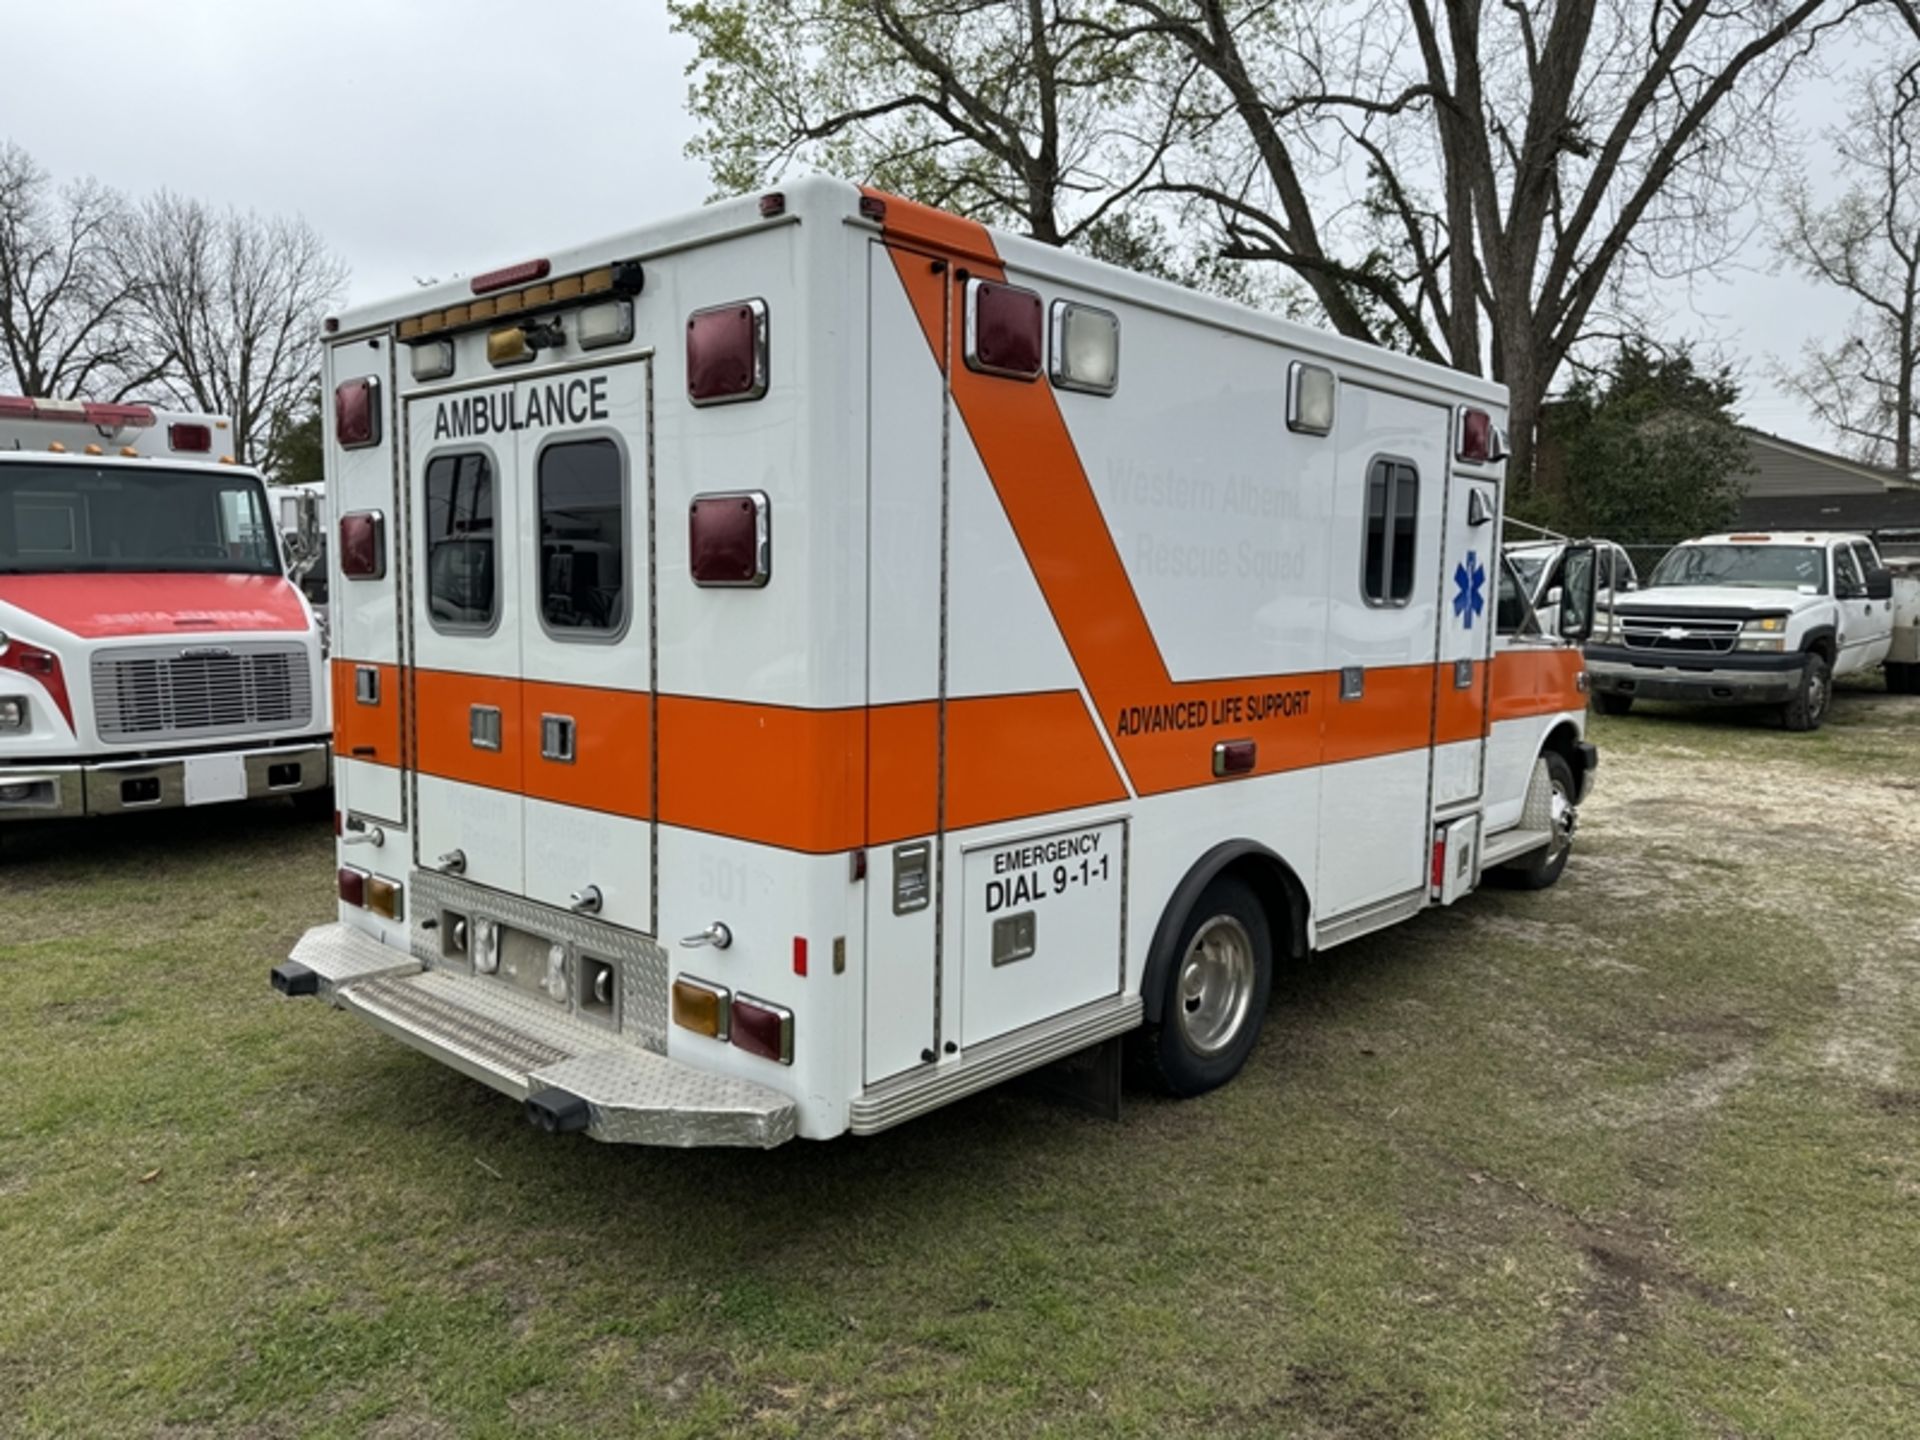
<point x="66" y="309"/>
<point x="1001" y="109"/>
<point x="235" y="300"/>
<point x="1572" y="150"/>
<point x="1867" y="245"/>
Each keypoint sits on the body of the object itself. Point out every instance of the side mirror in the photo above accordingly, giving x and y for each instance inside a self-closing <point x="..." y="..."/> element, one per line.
<point x="1576" y="593"/>
<point x="1879" y="583"/>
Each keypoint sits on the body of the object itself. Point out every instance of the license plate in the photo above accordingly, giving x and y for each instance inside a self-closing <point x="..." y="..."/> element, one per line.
<point x="211" y="779"/>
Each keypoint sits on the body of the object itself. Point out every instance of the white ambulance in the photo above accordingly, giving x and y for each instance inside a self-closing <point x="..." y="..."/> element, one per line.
<point x="152" y="650"/>
<point x="803" y="662"/>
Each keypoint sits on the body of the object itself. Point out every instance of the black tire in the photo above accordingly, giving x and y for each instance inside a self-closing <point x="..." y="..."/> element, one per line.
<point x="1808" y="709"/>
<point x="1608" y="703"/>
<point x="1196" y="1047"/>
<point x="1542" y="867"/>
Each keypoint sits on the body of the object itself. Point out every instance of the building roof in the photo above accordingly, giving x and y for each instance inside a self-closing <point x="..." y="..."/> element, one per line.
<point x="1783" y="469"/>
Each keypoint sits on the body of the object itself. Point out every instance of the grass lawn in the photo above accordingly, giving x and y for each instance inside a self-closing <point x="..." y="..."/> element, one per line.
<point x="1638" y="1156"/>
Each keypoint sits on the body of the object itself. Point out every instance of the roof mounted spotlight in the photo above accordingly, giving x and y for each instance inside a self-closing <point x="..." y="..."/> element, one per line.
<point x="629" y="277"/>
<point x="548" y="334"/>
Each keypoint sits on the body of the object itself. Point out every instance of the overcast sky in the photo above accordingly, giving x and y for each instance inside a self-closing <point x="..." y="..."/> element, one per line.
<point x="428" y="137"/>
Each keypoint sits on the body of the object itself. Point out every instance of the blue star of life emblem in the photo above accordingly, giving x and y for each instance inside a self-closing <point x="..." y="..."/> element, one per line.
<point x="1470" y="589"/>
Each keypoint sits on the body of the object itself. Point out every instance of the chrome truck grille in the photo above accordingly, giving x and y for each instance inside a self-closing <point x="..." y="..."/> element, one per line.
<point x="1682" y="634"/>
<point x="180" y="690"/>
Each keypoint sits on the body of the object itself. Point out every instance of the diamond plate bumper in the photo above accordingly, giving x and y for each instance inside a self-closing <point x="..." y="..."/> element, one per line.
<point x="523" y="1047"/>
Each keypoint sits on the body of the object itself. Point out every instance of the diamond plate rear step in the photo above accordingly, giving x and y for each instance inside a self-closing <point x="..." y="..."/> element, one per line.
<point x="524" y="1047"/>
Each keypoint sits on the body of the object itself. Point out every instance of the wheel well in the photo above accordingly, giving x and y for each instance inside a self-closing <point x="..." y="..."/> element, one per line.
<point x="1820" y="643"/>
<point x="1564" y="741"/>
<point x="1281" y="896"/>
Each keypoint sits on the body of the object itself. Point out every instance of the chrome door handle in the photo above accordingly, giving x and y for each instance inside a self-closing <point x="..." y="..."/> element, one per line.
<point x="454" y="862"/>
<point x="586" y="900"/>
<point x="363" y="834"/>
<point x="717" y="935"/>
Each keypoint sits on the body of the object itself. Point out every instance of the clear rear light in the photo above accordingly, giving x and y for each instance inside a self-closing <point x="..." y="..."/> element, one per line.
<point x="356" y="413"/>
<point x="727" y="353"/>
<point x="730" y="539"/>
<point x="190" y="439"/>
<point x="1086" y="348"/>
<point x="1003" y="330"/>
<point x="363" y="549"/>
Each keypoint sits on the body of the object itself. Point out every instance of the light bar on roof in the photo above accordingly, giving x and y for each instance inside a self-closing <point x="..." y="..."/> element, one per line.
<point x="78" y="412"/>
<point x="623" y="277"/>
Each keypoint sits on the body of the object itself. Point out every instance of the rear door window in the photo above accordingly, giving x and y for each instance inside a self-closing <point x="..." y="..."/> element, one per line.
<point x="462" y="548"/>
<point x="583" y="537"/>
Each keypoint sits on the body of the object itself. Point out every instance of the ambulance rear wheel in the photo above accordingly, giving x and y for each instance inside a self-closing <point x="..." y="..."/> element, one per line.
<point x="1216" y="992"/>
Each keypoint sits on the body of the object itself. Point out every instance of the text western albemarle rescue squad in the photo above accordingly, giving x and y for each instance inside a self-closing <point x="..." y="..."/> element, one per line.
<point x="1202" y="715"/>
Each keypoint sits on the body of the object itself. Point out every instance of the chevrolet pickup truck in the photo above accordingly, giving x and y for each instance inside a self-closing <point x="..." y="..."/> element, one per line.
<point x="1753" y="619"/>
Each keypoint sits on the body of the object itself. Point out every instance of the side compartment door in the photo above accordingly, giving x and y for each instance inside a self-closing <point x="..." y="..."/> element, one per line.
<point x="907" y="396"/>
<point x="465" y="638"/>
<point x="1469" y="588"/>
<point x="1382" y="633"/>
<point x="586" y="720"/>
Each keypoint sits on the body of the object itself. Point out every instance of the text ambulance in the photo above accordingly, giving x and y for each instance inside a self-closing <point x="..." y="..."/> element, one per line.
<point x="152" y="651"/>
<point x="806" y="661"/>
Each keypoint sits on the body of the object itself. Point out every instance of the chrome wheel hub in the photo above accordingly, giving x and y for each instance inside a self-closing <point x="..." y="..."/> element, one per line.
<point x="1216" y="985"/>
<point x="1565" y="815"/>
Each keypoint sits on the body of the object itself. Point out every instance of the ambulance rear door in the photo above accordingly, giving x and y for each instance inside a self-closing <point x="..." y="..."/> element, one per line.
<point x="532" y="636"/>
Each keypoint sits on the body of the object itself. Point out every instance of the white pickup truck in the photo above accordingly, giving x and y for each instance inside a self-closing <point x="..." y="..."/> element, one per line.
<point x="1763" y="619"/>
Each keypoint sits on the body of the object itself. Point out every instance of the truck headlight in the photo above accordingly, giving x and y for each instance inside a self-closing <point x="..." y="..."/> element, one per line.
<point x="1769" y="632"/>
<point x="13" y="713"/>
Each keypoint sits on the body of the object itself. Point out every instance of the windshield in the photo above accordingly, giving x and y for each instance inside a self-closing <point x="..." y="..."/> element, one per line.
<point x="1756" y="567"/>
<point x="69" y="517"/>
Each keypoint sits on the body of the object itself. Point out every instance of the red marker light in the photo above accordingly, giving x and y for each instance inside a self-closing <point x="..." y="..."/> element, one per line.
<point x="1438" y="877"/>
<point x="194" y="439"/>
<point x="1003" y="330"/>
<point x="800" y="955"/>
<point x="356" y="413"/>
<point x="1477" y="442"/>
<point x="727" y="353"/>
<point x="353" y="885"/>
<point x="729" y="540"/>
<point x="763" y="1029"/>
<point x="363" y="552"/>
<point x="510" y="275"/>
<point x="1234" y="757"/>
<point x="772" y="205"/>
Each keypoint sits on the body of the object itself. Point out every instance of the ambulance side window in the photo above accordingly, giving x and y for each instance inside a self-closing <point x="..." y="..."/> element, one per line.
<point x="461" y="591"/>
<point x="1393" y="510"/>
<point x="583" y="537"/>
